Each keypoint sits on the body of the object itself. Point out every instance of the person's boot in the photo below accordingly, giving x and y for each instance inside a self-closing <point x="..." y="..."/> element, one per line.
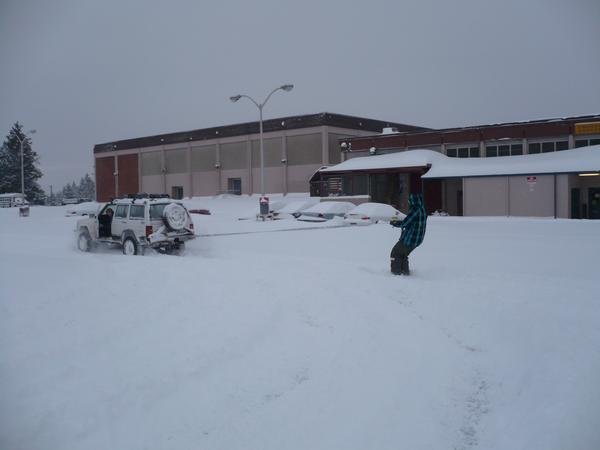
<point x="395" y="266"/>
<point x="404" y="266"/>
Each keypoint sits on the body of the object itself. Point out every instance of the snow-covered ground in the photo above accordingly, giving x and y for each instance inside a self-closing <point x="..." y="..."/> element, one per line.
<point x="301" y="339"/>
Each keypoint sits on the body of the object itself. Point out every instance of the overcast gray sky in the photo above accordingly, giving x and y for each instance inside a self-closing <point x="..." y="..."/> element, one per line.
<point x="85" y="72"/>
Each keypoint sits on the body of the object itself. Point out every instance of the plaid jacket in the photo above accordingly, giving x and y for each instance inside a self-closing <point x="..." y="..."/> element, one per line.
<point x="413" y="226"/>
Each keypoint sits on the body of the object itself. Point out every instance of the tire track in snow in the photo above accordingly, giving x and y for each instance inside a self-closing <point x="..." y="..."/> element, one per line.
<point x="476" y="403"/>
<point x="476" y="406"/>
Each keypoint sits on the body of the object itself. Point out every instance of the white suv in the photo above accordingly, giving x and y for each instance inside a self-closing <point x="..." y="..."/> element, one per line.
<point x="136" y="224"/>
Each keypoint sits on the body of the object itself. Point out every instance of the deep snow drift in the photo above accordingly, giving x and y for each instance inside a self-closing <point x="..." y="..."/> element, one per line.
<point x="301" y="339"/>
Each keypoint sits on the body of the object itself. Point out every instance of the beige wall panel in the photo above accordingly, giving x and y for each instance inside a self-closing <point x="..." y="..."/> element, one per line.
<point x="304" y="150"/>
<point x="205" y="183"/>
<point x="273" y="152"/>
<point x="485" y="196"/>
<point x="535" y="200"/>
<point x="176" y="160"/>
<point x="153" y="184"/>
<point x="298" y="177"/>
<point x="273" y="180"/>
<point x="234" y="156"/>
<point x="204" y="158"/>
<point x="179" y="179"/>
<point x="243" y="174"/>
<point x="151" y="163"/>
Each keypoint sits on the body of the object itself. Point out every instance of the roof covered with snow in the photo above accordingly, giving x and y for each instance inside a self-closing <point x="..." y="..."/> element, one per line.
<point x="410" y="158"/>
<point x="584" y="159"/>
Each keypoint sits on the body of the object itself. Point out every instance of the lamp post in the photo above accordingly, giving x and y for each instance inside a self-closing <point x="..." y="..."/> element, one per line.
<point x="235" y="98"/>
<point x="21" y="141"/>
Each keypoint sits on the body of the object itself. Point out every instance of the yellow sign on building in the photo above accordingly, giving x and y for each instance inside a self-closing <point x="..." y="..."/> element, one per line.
<point x="587" y="128"/>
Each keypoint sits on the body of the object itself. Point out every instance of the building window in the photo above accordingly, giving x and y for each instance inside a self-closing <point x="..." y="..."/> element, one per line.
<point x="547" y="147"/>
<point x="351" y="184"/>
<point x="334" y="186"/>
<point x="516" y="149"/>
<point x="504" y="150"/>
<point x="234" y="186"/>
<point x="561" y="145"/>
<point x="491" y="151"/>
<point x="462" y="152"/>
<point x="586" y="142"/>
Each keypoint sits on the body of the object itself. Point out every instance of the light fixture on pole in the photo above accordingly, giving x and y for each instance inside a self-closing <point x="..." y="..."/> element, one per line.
<point x="21" y="142"/>
<point x="235" y="98"/>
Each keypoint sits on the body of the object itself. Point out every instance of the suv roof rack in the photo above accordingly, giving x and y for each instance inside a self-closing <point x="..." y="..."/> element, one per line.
<point x="146" y="195"/>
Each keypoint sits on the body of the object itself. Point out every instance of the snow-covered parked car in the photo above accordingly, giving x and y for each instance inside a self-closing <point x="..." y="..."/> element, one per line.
<point x="136" y="224"/>
<point x="294" y="208"/>
<point x="368" y="213"/>
<point x="325" y="211"/>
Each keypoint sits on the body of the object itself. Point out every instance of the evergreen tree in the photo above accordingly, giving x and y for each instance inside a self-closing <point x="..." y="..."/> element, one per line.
<point x="67" y="191"/>
<point x="10" y="166"/>
<point x="87" y="187"/>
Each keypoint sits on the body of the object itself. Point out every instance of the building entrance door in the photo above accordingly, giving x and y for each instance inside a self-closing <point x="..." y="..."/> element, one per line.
<point x="177" y="192"/>
<point x="234" y="186"/>
<point x="575" y="203"/>
<point x="391" y="189"/>
<point x="594" y="202"/>
<point x="459" y="202"/>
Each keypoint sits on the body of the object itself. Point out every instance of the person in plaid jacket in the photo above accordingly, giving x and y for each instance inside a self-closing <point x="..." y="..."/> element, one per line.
<point x="413" y="232"/>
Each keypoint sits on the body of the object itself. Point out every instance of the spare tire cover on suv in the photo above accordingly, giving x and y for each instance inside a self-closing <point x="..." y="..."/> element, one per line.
<point x="174" y="216"/>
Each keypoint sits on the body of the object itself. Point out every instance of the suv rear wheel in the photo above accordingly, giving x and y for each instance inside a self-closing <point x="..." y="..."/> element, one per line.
<point x="130" y="246"/>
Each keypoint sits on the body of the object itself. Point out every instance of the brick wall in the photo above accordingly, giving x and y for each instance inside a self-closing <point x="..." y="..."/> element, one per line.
<point x="105" y="179"/>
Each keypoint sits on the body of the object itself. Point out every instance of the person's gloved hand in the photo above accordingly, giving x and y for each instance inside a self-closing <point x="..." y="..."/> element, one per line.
<point x="395" y="222"/>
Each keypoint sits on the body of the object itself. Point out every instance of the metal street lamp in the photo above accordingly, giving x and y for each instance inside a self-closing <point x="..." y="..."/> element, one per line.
<point x="21" y="141"/>
<point x="235" y="98"/>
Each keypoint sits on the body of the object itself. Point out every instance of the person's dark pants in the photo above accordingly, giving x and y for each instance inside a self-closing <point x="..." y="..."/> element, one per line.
<point x="399" y="259"/>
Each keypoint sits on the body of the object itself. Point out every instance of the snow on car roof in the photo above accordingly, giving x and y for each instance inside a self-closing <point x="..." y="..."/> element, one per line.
<point x="298" y="206"/>
<point x="376" y="209"/>
<point x="330" y="207"/>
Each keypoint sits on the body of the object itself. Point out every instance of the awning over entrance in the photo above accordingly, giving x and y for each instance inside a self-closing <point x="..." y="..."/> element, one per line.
<point x="405" y="159"/>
